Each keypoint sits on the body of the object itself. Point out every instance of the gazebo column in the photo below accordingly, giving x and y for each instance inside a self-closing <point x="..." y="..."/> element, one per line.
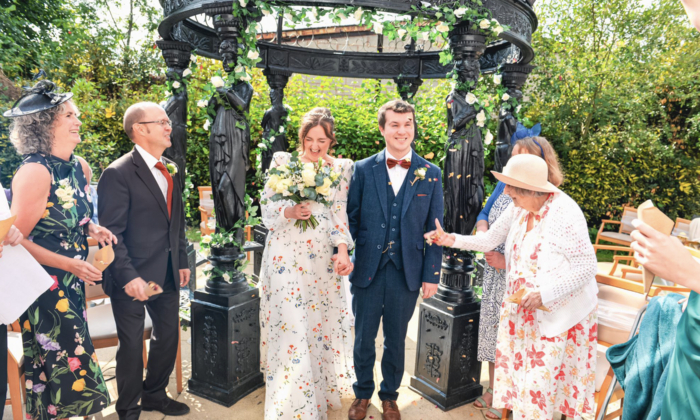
<point x="177" y="57"/>
<point x="225" y="315"/>
<point x="447" y="371"/>
<point x="275" y="116"/>
<point x="514" y="77"/>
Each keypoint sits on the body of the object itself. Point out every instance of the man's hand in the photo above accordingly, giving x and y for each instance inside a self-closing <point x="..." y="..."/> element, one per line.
<point x="342" y="264"/>
<point x="184" y="276"/>
<point x="663" y="255"/>
<point x="429" y="289"/>
<point x="136" y="288"/>
<point x="439" y="237"/>
<point x="495" y="259"/>
<point x="13" y="238"/>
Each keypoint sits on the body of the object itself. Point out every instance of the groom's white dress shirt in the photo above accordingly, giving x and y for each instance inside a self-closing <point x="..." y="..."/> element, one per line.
<point x="397" y="174"/>
<point x="151" y="161"/>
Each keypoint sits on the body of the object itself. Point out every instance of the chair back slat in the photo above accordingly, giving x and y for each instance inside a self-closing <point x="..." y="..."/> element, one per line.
<point x="628" y="214"/>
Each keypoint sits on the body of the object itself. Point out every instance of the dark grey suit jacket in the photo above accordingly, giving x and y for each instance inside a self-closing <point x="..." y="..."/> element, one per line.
<point x="131" y="205"/>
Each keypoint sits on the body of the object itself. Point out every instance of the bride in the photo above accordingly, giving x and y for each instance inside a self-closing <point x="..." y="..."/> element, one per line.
<point x="306" y="344"/>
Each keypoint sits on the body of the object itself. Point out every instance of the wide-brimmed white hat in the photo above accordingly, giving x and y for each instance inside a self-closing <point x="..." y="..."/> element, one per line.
<point x="528" y="172"/>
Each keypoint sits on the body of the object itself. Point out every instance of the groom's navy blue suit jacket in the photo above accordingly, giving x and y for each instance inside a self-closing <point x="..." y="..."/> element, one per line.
<point x="367" y="214"/>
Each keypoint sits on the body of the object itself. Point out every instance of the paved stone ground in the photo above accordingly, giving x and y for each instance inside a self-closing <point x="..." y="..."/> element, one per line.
<point x="412" y="405"/>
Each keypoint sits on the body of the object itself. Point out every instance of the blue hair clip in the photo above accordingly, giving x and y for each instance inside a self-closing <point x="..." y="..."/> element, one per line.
<point x="522" y="132"/>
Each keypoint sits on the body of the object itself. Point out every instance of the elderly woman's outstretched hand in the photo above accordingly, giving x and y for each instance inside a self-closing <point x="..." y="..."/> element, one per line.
<point x="439" y="237"/>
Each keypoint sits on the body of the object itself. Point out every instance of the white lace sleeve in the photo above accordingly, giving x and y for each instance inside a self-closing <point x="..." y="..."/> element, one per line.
<point x="273" y="211"/>
<point x="492" y="238"/>
<point x="340" y="231"/>
<point x="568" y="237"/>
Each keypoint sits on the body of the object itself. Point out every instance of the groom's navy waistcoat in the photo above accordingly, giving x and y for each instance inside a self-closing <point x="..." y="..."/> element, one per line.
<point x="372" y="215"/>
<point x="392" y="243"/>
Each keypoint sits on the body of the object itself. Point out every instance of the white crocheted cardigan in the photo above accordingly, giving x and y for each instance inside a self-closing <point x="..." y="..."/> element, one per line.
<point x="566" y="266"/>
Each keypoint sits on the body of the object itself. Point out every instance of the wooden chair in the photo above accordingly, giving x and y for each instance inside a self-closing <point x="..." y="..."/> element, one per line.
<point x="623" y="266"/>
<point x="103" y="329"/>
<point x="206" y="209"/>
<point x="15" y="371"/>
<point x="630" y="294"/>
<point x="622" y="236"/>
<point x="681" y="228"/>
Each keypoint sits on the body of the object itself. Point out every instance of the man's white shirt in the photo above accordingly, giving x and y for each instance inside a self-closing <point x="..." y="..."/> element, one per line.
<point x="151" y="162"/>
<point x="397" y="174"/>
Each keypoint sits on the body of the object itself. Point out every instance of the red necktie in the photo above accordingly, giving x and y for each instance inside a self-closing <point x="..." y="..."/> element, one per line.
<point x="406" y="164"/>
<point x="167" y="176"/>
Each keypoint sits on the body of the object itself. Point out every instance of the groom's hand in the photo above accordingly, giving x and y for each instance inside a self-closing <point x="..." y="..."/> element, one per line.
<point x="184" y="276"/>
<point x="136" y="288"/>
<point x="429" y="289"/>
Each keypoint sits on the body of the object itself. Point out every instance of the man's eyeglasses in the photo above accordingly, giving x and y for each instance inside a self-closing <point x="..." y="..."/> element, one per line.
<point x="161" y="122"/>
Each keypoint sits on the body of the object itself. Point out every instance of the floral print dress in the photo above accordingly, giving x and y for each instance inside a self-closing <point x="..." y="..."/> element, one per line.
<point x="306" y="342"/>
<point x="537" y="376"/>
<point x="63" y="376"/>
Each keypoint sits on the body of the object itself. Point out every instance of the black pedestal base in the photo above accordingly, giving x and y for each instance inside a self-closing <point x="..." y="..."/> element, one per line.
<point x="225" y="346"/>
<point x="447" y="372"/>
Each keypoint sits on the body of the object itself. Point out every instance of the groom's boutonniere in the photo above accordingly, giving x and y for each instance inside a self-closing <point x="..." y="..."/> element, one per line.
<point x="172" y="168"/>
<point x="420" y="174"/>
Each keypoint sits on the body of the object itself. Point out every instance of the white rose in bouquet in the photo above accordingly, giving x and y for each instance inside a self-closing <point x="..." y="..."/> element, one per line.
<point x="325" y="189"/>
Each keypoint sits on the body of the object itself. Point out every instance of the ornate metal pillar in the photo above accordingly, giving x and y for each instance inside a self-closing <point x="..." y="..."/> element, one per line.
<point x="275" y="116"/>
<point x="226" y="331"/>
<point x="177" y="57"/>
<point x="514" y="77"/>
<point x="447" y="372"/>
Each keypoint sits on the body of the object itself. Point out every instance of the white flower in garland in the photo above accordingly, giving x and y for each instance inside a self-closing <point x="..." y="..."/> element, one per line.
<point x="471" y="98"/>
<point x="488" y="138"/>
<point x="441" y="27"/>
<point x="243" y="3"/>
<point x="168" y="93"/>
<point x="176" y="84"/>
<point x="426" y="36"/>
<point x="484" y="24"/>
<point x="460" y="12"/>
<point x="517" y="109"/>
<point x="262" y="146"/>
<point x="282" y="129"/>
<point x="481" y="118"/>
<point x="186" y="73"/>
<point x="341" y="15"/>
<point x="258" y="27"/>
<point x="227" y="276"/>
<point x="358" y="13"/>
<point x="497" y="79"/>
<point x="238" y="69"/>
<point x="253" y="55"/>
<point x="217" y="81"/>
<point x="378" y="28"/>
<point x="505" y="97"/>
<point x="193" y="58"/>
<point x="246" y="78"/>
<point x="314" y="13"/>
<point x="401" y="33"/>
<point x="206" y="125"/>
<point x="498" y="29"/>
<point x="266" y="12"/>
<point x="202" y="103"/>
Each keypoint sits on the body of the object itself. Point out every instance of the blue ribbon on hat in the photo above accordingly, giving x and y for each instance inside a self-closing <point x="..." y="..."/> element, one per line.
<point x="522" y="132"/>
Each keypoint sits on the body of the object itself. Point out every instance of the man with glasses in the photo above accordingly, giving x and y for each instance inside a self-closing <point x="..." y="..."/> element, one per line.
<point x="140" y="206"/>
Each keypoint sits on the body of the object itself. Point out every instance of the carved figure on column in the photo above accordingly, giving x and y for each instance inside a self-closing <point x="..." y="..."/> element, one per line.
<point x="464" y="161"/>
<point x="514" y="77"/>
<point x="275" y="117"/>
<point x="177" y="57"/>
<point x="229" y="145"/>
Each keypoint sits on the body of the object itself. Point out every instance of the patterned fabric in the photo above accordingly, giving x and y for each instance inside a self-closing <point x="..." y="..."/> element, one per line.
<point x="63" y="377"/>
<point x="494" y="284"/>
<point x="537" y="376"/>
<point x="306" y="343"/>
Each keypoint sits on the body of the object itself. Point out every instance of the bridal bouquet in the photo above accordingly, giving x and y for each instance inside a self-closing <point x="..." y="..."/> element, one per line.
<point x="299" y="181"/>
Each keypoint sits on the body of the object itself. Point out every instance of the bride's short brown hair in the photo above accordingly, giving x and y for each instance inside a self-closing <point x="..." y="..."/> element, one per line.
<point x="317" y="116"/>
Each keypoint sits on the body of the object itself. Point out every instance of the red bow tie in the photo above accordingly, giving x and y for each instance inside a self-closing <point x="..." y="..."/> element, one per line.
<point x="403" y="163"/>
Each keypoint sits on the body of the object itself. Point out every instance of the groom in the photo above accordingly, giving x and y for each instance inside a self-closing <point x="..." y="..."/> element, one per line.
<point x="394" y="198"/>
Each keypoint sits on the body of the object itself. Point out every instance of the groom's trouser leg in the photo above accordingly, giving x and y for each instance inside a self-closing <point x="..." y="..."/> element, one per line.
<point x="399" y="305"/>
<point x="129" y="317"/>
<point x="367" y="304"/>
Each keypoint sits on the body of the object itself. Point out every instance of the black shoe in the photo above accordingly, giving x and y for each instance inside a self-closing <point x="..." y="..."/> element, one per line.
<point x="167" y="406"/>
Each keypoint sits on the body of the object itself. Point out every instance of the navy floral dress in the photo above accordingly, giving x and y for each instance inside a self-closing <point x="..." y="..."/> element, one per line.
<point x="63" y="377"/>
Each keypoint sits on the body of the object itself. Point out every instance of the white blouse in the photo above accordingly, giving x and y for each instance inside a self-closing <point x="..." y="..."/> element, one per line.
<point x="566" y="266"/>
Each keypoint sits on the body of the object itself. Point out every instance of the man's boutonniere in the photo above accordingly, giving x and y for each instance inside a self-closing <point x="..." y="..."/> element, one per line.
<point x="172" y="168"/>
<point x="420" y="174"/>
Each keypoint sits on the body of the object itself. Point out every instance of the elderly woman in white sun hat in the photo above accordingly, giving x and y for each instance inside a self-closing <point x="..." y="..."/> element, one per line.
<point x="545" y="359"/>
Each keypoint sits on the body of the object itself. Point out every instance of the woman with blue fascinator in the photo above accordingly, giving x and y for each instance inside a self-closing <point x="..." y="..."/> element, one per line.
<point x="524" y="141"/>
